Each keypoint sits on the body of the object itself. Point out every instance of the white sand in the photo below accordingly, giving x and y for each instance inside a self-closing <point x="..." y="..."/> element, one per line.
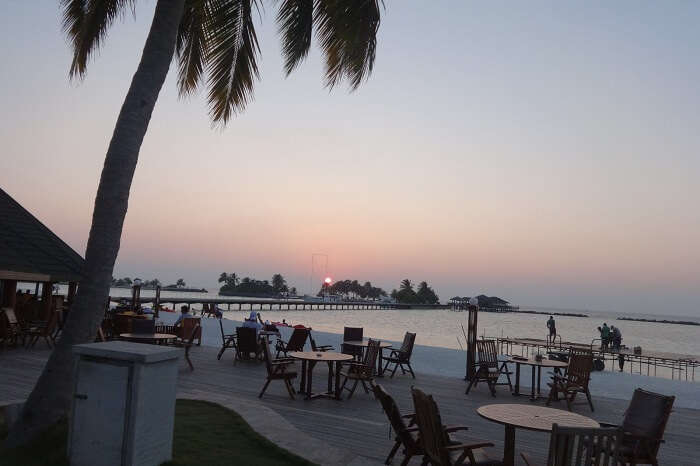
<point x="451" y="363"/>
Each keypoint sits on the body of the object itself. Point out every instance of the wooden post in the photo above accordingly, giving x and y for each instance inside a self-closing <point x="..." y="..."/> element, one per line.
<point x="471" y="341"/>
<point x="156" y="304"/>
<point x="72" y="288"/>
<point x="46" y="300"/>
<point x="9" y="293"/>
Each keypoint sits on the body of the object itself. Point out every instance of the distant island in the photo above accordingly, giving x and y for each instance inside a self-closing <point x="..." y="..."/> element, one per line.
<point x="496" y="304"/>
<point x="180" y="285"/>
<point x="663" y="321"/>
<point x="250" y="287"/>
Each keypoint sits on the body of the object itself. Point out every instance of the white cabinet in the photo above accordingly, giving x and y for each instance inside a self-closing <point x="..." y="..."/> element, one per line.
<point x="123" y="404"/>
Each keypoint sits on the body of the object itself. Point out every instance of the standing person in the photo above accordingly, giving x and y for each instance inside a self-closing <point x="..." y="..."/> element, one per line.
<point x="552" y="330"/>
<point x="605" y="336"/>
<point x="616" y="337"/>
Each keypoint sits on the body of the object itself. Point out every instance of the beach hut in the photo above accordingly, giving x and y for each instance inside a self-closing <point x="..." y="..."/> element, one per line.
<point x="31" y="253"/>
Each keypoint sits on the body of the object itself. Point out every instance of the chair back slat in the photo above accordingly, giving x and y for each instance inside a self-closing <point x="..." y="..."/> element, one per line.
<point x="247" y="340"/>
<point x="352" y="333"/>
<point x="646" y="416"/>
<point x="431" y="429"/>
<point x="574" y="446"/>
<point x="579" y="369"/>
<point x="486" y="353"/>
<point x="268" y="356"/>
<point x="370" y="361"/>
<point x="407" y="346"/>
<point x="392" y="412"/>
<point x="297" y="340"/>
<point x="189" y="327"/>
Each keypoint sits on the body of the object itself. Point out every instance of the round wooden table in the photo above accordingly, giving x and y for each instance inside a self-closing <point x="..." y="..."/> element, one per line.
<point x="150" y="337"/>
<point x="529" y="417"/>
<point x="309" y="359"/>
<point x="536" y="368"/>
<point x="363" y="344"/>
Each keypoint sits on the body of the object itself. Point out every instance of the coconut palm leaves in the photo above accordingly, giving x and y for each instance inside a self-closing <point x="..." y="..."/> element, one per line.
<point x="217" y="43"/>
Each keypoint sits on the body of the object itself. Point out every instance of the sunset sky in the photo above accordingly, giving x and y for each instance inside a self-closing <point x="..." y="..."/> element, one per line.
<point x="544" y="152"/>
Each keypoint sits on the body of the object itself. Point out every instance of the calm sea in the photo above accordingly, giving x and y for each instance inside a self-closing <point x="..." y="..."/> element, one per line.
<point x="443" y="327"/>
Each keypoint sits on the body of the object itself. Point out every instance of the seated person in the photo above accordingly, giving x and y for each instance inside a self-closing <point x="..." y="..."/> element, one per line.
<point x="185" y="314"/>
<point x="254" y="321"/>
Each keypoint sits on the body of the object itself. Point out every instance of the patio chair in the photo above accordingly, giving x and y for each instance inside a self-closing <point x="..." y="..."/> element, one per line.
<point x="576" y="446"/>
<point x="227" y="341"/>
<point x="406" y="435"/>
<point x="188" y="328"/>
<point x="278" y="369"/>
<point x="352" y="334"/>
<point x="246" y="343"/>
<point x="12" y="331"/>
<point x="439" y="449"/>
<point x="361" y="372"/>
<point x="143" y="326"/>
<point x="296" y="342"/>
<point x="42" y="329"/>
<point x="487" y="369"/>
<point x="643" y="426"/>
<point x="575" y="379"/>
<point x="402" y="356"/>
<point x="188" y="343"/>
<point x="319" y="348"/>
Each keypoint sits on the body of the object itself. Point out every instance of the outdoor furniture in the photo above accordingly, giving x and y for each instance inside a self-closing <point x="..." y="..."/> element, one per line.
<point x="277" y="369"/>
<point x="643" y="426"/>
<point x="529" y="417"/>
<point x="42" y="329"/>
<point x="406" y="435"/>
<point x="352" y="334"/>
<point x="361" y="372"/>
<point x="209" y="310"/>
<point x="316" y="347"/>
<point x="189" y="327"/>
<point x="487" y="369"/>
<point x="575" y="380"/>
<point x="575" y="446"/>
<point x="309" y="359"/>
<point x="246" y="343"/>
<point x="188" y="343"/>
<point x="362" y="344"/>
<point x="536" y="367"/>
<point x="296" y="342"/>
<point x="156" y="338"/>
<point x="439" y="448"/>
<point x="227" y="341"/>
<point x="12" y="330"/>
<point x="402" y="356"/>
<point x="143" y="326"/>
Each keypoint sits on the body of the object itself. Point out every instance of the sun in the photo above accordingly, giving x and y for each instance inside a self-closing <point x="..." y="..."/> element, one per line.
<point x="328" y="280"/>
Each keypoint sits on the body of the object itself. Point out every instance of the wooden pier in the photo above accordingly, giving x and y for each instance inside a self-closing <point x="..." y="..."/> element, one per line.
<point x="260" y="304"/>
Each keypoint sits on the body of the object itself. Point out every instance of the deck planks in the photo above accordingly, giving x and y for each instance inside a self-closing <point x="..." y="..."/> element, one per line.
<point x="359" y="424"/>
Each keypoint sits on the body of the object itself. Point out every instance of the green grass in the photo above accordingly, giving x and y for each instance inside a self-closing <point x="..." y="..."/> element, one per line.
<point x="205" y="433"/>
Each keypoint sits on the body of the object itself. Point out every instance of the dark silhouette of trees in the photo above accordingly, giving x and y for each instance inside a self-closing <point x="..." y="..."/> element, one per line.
<point x="352" y="289"/>
<point x="407" y="295"/>
<point x="248" y="286"/>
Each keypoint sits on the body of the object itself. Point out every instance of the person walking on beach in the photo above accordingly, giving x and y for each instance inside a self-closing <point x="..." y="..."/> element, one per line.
<point x="552" y="330"/>
<point x="605" y="336"/>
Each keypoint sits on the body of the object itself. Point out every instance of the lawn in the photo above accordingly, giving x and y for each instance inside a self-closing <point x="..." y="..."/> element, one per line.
<point x="205" y="433"/>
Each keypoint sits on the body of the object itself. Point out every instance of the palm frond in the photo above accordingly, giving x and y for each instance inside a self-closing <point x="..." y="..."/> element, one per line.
<point x="86" y="22"/>
<point x="295" y="20"/>
<point x="231" y="57"/>
<point x="347" y="32"/>
<point x="191" y="45"/>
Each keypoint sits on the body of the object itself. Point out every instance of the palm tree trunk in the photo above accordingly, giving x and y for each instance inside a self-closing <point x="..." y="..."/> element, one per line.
<point x="51" y="398"/>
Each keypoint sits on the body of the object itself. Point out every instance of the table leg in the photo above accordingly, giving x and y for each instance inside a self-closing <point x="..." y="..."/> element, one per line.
<point x="532" y="385"/>
<point x="509" y="447"/>
<point x="302" y="384"/>
<point x="330" y="377"/>
<point x="309" y="378"/>
<point x="337" y="380"/>
<point x="517" y="379"/>
<point x="379" y="363"/>
<point x="539" y="379"/>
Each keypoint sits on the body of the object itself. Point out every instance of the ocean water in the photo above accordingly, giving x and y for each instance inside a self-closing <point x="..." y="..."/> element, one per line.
<point x="443" y="328"/>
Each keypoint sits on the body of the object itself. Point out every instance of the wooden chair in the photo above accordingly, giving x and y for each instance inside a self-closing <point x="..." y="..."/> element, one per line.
<point x="575" y="379"/>
<point x="643" y="426"/>
<point x="188" y="343"/>
<point x="278" y="369"/>
<point x="143" y="326"/>
<point x="319" y="348"/>
<point x="439" y="449"/>
<point x="406" y="435"/>
<point x="227" y="341"/>
<point x="361" y="372"/>
<point x="575" y="446"/>
<point x="12" y="330"/>
<point x="402" y="356"/>
<point x="246" y="343"/>
<point x="43" y="330"/>
<point x="487" y="367"/>
<point x="352" y="334"/>
<point x="296" y="342"/>
<point x="190" y="327"/>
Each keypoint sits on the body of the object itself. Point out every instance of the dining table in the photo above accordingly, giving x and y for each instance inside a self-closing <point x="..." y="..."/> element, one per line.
<point x="536" y="371"/>
<point x="309" y="359"/>
<point x="529" y="417"/>
<point x="363" y="343"/>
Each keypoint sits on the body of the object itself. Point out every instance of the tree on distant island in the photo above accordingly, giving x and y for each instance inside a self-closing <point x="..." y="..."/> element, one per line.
<point x="214" y="45"/>
<point x="251" y="287"/>
<point x="180" y="283"/>
<point x="407" y="295"/>
<point x="351" y="289"/>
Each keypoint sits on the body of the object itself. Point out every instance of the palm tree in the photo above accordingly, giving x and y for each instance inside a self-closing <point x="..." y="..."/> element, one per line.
<point x="212" y="38"/>
<point x="406" y="285"/>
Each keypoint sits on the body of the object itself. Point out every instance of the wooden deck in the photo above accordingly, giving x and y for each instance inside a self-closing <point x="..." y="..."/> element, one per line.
<point x="359" y="424"/>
